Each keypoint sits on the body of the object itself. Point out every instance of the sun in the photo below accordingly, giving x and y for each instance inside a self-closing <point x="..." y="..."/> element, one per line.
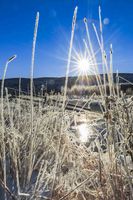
<point x="83" y="65"/>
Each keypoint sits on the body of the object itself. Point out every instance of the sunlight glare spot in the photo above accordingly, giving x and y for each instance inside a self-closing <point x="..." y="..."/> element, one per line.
<point x="83" y="132"/>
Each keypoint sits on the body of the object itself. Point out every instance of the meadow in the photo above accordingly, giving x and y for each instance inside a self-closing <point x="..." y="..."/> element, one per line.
<point x="50" y="152"/>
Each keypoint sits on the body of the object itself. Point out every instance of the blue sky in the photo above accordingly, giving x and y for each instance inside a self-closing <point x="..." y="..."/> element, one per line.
<point x="17" y="19"/>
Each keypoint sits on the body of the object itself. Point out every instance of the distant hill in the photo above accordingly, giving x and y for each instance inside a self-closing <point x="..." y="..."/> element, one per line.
<point x="55" y="84"/>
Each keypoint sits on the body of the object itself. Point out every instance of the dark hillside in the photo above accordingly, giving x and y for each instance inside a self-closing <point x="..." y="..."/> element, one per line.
<point x="55" y="84"/>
